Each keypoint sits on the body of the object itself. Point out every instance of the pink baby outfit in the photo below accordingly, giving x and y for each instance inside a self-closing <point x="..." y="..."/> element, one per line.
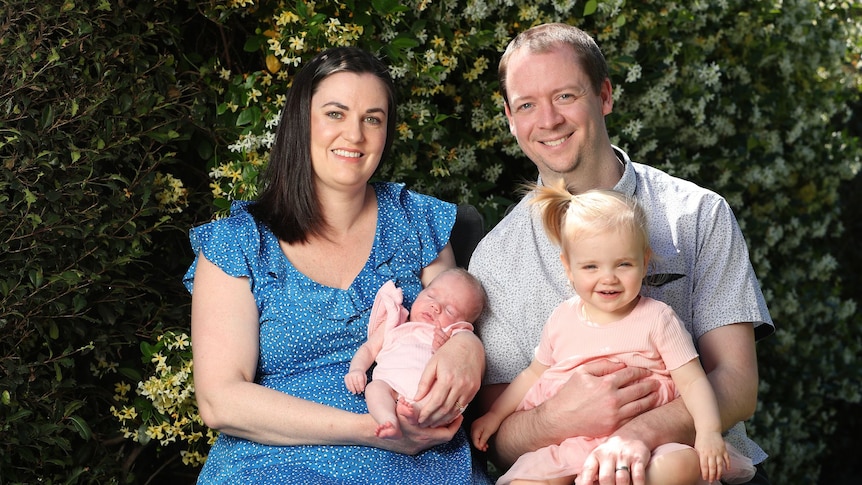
<point x="651" y="336"/>
<point x="407" y="346"/>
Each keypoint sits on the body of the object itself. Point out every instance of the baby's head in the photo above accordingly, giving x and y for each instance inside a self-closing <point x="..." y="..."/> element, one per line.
<point x="453" y="296"/>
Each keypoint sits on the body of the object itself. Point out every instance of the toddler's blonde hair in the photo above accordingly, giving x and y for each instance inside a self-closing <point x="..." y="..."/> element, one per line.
<point x="568" y="217"/>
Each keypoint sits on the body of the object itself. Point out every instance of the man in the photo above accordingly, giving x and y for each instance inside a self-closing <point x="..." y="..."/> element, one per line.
<point x="555" y="84"/>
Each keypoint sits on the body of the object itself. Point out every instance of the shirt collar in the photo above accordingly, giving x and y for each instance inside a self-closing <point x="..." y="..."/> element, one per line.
<point x="628" y="182"/>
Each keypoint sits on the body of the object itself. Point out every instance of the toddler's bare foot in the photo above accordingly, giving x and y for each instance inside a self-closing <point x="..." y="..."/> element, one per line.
<point x="388" y="431"/>
<point x="405" y="408"/>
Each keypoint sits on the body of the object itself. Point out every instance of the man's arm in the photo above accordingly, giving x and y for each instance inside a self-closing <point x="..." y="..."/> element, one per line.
<point x="730" y="361"/>
<point x="596" y="400"/>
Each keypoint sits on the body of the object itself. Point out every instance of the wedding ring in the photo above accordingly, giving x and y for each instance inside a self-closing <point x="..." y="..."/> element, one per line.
<point x="623" y="468"/>
<point x="461" y="408"/>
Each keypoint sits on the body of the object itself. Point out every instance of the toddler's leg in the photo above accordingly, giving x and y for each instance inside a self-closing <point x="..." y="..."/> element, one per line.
<point x="673" y="464"/>
<point x="381" y="404"/>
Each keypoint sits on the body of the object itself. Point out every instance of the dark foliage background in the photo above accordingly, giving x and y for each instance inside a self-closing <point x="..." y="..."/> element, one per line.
<point x="103" y="103"/>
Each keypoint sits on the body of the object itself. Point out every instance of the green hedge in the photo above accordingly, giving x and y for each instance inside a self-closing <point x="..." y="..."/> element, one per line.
<point x="110" y="129"/>
<point x="97" y="102"/>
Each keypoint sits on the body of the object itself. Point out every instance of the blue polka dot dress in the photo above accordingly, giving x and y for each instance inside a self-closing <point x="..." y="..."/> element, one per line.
<point x="309" y="333"/>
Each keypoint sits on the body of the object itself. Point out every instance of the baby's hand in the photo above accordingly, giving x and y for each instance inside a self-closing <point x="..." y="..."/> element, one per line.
<point x="482" y="430"/>
<point x="440" y="338"/>
<point x="355" y="381"/>
<point x="714" y="458"/>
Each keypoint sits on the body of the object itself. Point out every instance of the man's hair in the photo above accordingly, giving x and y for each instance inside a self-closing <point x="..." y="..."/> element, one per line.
<point x="543" y="38"/>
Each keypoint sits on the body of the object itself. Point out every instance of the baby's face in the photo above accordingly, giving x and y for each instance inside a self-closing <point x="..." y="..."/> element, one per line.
<point x="447" y="300"/>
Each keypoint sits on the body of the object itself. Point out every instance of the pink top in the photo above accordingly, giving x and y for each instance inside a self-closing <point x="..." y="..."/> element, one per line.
<point x="407" y="346"/>
<point x="651" y="336"/>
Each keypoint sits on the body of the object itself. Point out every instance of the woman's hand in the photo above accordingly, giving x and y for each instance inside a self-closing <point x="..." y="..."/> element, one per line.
<point x="416" y="439"/>
<point x="450" y="381"/>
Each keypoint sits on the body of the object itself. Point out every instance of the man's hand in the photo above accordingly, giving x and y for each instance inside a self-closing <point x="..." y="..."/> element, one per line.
<point x="602" y="396"/>
<point x="616" y="461"/>
<point x="599" y="397"/>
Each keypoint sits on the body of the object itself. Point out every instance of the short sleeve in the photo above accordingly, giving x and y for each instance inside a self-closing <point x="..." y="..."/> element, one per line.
<point x="227" y="243"/>
<point x="431" y="218"/>
<point x="411" y="230"/>
<point x="671" y="339"/>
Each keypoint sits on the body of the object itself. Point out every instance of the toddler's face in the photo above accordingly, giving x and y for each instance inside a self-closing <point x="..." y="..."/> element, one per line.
<point x="606" y="271"/>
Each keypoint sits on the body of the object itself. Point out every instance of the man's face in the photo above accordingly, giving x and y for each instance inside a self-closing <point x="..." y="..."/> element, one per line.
<point x="553" y="111"/>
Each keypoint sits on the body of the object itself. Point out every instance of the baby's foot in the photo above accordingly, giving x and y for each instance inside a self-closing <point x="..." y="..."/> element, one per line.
<point x="388" y="431"/>
<point x="405" y="408"/>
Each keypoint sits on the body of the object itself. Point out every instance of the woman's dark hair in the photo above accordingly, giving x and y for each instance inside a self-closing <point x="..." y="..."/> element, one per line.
<point x="288" y="203"/>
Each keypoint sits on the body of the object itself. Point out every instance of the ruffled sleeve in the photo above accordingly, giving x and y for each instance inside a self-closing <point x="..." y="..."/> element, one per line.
<point x="229" y="243"/>
<point x="412" y="230"/>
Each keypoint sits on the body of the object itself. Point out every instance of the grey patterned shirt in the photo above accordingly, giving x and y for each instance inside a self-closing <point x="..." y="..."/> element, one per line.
<point x="700" y="267"/>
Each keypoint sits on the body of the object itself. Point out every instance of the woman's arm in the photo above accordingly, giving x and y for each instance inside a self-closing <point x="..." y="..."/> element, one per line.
<point x="445" y="260"/>
<point x="226" y="344"/>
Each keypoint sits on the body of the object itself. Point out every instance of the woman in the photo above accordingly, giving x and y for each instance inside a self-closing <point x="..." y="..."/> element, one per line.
<point x="283" y="289"/>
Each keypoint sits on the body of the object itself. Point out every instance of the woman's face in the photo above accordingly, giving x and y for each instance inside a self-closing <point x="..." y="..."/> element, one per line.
<point x="348" y="129"/>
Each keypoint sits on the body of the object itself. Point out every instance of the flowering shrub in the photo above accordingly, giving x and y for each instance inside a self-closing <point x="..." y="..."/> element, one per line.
<point x="745" y="97"/>
<point x="101" y="109"/>
<point x="165" y="409"/>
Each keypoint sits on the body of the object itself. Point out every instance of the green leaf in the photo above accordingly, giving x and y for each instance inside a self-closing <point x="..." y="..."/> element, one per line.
<point x="404" y="43"/>
<point x="36" y="277"/>
<point x="47" y="117"/>
<point x="81" y="427"/>
<point x="590" y="7"/>
<point x="147" y="351"/>
<point x="18" y="415"/>
<point x="254" y="43"/>
<point x="389" y="6"/>
<point x="248" y="116"/>
<point x="72" y="406"/>
<point x="132" y="374"/>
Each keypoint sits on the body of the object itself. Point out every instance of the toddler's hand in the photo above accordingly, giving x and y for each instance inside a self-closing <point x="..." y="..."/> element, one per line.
<point x="714" y="458"/>
<point x="482" y="430"/>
